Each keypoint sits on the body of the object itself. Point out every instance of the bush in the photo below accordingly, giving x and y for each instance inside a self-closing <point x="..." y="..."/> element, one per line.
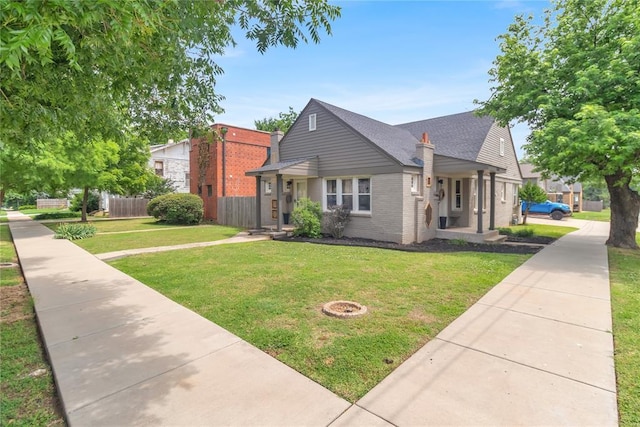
<point x="75" y="231"/>
<point x="57" y="215"/>
<point x="177" y="208"/>
<point x="93" y="202"/>
<point x="306" y="217"/>
<point x="336" y="220"/>
<point x="505" y="231"/>
<point x="524" y="232"/>
<point x="25" y="207"/>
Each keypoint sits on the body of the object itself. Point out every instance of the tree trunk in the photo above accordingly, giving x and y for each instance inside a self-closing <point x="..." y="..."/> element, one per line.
<point x="85" y="200"/>
<point x="1" y="196"/>
<point x="526" y="214"/>
<point x="625" y="208"/>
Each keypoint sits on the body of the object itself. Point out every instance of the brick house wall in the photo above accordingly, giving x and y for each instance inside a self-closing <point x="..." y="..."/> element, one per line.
<point x="243" y="149"/>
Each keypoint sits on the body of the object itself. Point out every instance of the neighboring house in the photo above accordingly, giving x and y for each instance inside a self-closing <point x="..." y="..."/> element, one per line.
<point x="400" y="181"/>
<point x="231" y="152"/>
<point x="171" y="161"/>
<point x="557" y="189"/>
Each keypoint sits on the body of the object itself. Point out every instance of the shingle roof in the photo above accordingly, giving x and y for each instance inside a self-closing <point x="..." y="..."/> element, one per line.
<point x="527" y="171"/>
<point x="396" y="142"/>
<point x="458" y="135"/>
<point x="282" y="165"/>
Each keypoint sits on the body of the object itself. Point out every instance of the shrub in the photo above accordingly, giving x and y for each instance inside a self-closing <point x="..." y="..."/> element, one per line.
<point x="177" y="208"/>
<point x="75" y="231"/>
<point x="57" y="215"/>
<point x="306" y="217"/>
<point x="25" y="207"/>
<point x="336" y="220"/>
<point x="458" y="242"/>
<point x="93" y="202"/>
<point x="505" y="231"/>
<point x="524" y="232"/>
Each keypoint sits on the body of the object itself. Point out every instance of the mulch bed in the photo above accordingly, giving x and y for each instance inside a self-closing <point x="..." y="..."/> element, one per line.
<point x="433" y="245"/>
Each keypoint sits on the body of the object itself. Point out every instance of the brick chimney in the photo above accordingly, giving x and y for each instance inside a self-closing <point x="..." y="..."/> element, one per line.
<point x="276" y="136"/>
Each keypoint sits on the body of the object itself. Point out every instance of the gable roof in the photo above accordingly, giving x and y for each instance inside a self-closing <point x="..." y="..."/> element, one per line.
<point x="396" y="142"/>
<point x="158" y="147"/>
<point x="458" y="135"/>
<point x="527" y="171"/>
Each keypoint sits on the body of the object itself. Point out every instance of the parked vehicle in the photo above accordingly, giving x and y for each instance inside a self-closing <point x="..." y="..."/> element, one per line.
<point x="557" y="211"/>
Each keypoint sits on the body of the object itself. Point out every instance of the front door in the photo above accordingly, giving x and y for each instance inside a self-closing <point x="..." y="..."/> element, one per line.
<point x="301" y="190"/>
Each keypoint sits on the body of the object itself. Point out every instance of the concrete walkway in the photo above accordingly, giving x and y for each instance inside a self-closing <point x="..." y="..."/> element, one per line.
<point x="536" y="350"/>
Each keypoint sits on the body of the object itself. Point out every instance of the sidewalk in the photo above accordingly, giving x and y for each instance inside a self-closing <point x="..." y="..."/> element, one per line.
<point x="536" y="350"/>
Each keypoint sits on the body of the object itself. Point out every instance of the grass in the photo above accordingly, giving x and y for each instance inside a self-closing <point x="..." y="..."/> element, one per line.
<point x="271" y="293"/>
<point x="604" y="215"/>
<point x="133" y="234"/>
<point x="554" y="231"/>
<point x="624" y="267"/>
<point x="28" y="396"/>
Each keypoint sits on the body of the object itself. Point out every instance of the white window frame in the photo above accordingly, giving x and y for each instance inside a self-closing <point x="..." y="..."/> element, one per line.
<point x="355" y="193"/>
<point x="312" y="122"/>
<point x="502" y="147"/>
<point x="268" y="187"/>
<point x="415" y="184"/>
<point x="516" y="200"/>
<point x="474" y="184"/>
<point x="503" y="192"/>
<point x="457" y="195"/>
<point x="158" y="166"/>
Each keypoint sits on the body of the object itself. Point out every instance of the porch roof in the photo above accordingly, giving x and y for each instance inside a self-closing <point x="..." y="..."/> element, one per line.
<point x="449" y="165"/>
<point x="307" y="166"/>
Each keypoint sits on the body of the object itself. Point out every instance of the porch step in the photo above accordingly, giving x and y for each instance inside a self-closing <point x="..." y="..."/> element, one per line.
<point x="495" y="239"/>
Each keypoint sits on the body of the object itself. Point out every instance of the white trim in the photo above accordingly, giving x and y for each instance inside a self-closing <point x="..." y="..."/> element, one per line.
<point x="268" y="188"/>
<point x="355" y="194"/>
<point x="457" y="195"/>
<point x="312" y="122"/>
<point x="502" y="147"/>
<point x="415" y="183"/>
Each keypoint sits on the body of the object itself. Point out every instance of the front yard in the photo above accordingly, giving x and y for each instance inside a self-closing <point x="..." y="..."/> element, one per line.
<point x="271" y="294"/>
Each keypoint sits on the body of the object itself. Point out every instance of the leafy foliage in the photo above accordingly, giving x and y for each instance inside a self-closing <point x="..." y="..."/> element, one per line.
<point x="531" y="193"/>
<point x="93" y="203"/>
<point x="74" y="231"/>
<point x="25" y="207"/>
<point x="157" y="186"/>
<point x="306" y="217"/>
<point x="177" y="208"/>
<point x="283" y="122"/>
<point x="57" y="215"/>
<point x="574" y="79"/>
<point x="336" y="220"/>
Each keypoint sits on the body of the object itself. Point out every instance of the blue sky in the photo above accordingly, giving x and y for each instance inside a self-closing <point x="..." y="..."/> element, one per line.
<point x="394" y="61"/>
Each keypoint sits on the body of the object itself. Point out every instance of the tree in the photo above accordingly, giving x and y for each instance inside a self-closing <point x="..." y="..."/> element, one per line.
<point x="69" y="65"/>
<point x="575" y="79"/>
<point x="283" y="122"/>
<point x="531" y="193"/>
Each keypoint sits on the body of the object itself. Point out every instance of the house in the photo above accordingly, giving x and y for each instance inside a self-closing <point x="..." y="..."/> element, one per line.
<point x="218" y="169"/>
<point x="557" y="189"/>
<point x="171" y="161"/>
<point x="404" y="183"/>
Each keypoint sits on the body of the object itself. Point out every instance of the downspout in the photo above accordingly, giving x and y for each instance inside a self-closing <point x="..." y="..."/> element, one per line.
<point x="224" y="131"/>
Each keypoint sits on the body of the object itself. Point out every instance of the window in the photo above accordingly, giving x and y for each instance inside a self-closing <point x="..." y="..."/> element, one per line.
<point x="312" y="122"/>
<point x="414" y="183"/>
<point x="502" y="146"/>
<point x="209" y="190"/>
<point x="457" y="195"/>
<point x="355" y="193"/>
<point x="503" y="192"/>
<point x="159" y="167"/>
<point x="267" y="187"/>
<point x="475" y="195"/>
<point x="187" y="178"/>
<point x="515" y="194"/>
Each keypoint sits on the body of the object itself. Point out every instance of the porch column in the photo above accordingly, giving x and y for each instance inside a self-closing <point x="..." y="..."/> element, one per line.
<point x="279" y="199"/>
<point x="258" y="203"/>
<point x="492" y="214"/>
<point x="480" y="199"/>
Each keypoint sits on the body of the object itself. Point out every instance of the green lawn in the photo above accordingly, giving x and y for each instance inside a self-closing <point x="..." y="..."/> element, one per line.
<point x="159" y="234"/>
<point x="555" y="231"/>
<point x="604" y="215"/>
<point x="624" y="266"/>
<point x="28" y="396"/>
<point x="271" y="293"/>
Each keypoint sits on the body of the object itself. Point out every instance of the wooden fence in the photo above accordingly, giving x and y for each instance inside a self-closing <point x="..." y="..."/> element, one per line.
<point x="52" y="203"/>
<point x="237" y="211"/>
<point x="592" y="205"/>
<point x="126" y="207"/>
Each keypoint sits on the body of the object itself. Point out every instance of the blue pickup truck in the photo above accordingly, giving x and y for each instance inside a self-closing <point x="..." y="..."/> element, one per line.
<point x="557" y="211"/>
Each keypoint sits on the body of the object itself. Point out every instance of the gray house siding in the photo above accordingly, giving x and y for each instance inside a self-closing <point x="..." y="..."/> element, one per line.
<point x="341" y="151"/>
<point x="490" y="152"/>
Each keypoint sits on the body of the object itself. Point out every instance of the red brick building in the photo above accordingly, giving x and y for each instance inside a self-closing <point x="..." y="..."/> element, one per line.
<point x="218" y="170"/>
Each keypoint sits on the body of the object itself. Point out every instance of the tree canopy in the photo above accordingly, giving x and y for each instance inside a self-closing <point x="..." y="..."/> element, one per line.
<point x="531" y="193"/>
<point x="575" y="80"/>
<point x="283" y="122"/>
